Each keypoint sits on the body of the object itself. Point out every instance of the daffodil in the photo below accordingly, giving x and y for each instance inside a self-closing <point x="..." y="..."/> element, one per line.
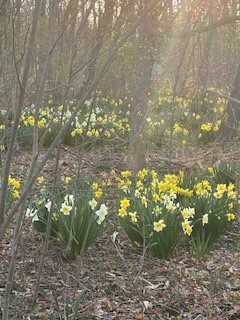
<point x="137" y="193"/>
<point x="144" y="201"/>
<point x="231" y="216"/>
<point x="187" y="228"/>
<point x="101" y="213"/>
<point x="69" y="199"/>
<point x="124" y="203"/>
<point x="206" y="126"/>
<point x="142" y="174"/>
<point x="68" y="180"/>
<point x="15" y="194"/>
<point x="133" y="216"/>
<point x="93" y="203"/>
<point x="31" y="213"/>
<point x="211" y="170"/>
<point x="126" y="174"/>
<point x="65" y="209"/>
<point x="220" y="190"/>
<point x="95" y="186"/>
<point x="203" y="188"/>
<point x="205" y="219"/>
<point x="98" y="193"/>
<point x="48" y="205"/>
<point x="156" y="210"/>
<point x="122" y="212"/>
<point x="14" y="182"/>
<point x="40" y="179"/>
<point x="188" y="213"/>
<point x="159" y="225"/>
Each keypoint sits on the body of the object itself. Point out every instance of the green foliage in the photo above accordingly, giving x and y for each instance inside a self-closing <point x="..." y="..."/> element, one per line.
<point x="225" y="172"/>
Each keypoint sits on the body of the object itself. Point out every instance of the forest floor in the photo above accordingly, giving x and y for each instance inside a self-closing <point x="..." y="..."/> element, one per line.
<point x="114" y="280"/>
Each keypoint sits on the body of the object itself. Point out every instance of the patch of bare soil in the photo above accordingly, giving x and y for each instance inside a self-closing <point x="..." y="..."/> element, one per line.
<point x="115" y="280"/>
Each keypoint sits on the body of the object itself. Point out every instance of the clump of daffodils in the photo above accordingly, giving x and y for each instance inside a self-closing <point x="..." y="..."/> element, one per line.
<point x="155" y="209"/>
<point x="208" y="213"/>
<point x="76" y="218"/>
<point x="148" y="208"/>
<point x="174" y="117"/>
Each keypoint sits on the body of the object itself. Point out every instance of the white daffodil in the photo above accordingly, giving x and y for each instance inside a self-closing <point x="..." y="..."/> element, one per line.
<point x="48" y="205"/>
<point x="69" y="199"/>
<point x="93" y="203"/>
<point x="205" y="219"/>
<point x="31" y="213"/>
<point x="101" y="213"/>
<point x="65" y="209"/>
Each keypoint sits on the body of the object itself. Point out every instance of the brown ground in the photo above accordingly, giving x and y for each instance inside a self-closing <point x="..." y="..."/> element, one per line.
<point x="117" y="281"/>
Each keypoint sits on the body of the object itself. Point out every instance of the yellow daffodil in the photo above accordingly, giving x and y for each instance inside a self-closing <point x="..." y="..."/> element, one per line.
<point x="40" y="179"/>
<point x="188" y="213"/>
<point x="15" y="194"/>
<point x="95" y="186"/>
<point x="206" y="126"/>
<point x="133" y="216"/>
<point x="14" y="182"/>
<point x="122" y="212"/>
<point x="203" y="188"/>
<point x="159" y="225"/>
<point x="231" y="216"/>
<point x="68" y="180"/>
<point x="98" y="193"/>
<point x="124" y="203"/>
<point x="144" y="201"/>
<point x="187" y="228"/>
<point x="126" y="174"/>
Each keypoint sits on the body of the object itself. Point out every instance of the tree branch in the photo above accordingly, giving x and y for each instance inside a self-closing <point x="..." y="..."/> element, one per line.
<point x="202" y="29"/>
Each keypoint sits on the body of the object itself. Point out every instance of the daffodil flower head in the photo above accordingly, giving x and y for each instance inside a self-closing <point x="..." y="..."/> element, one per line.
<point x="69" y="199"/>
<point x="31" y="213"/>
<point x="133" y="216"/>
<point x="231" y="216"/>
<point x="101" y="213"/>
<point x="159" y="225"/>
<point x="68" y="180"/>
<point x="48" y="205"/>
<point x="124" y="203"/>
<point x="205" y="219"/>
<point x="93" y="203"/>
<point x="65" y="209"/>
<point x="187" y="228"/>
<point x="188" y="213"/>
<point x="40" y="179"/>
<point x="122" y="212"/>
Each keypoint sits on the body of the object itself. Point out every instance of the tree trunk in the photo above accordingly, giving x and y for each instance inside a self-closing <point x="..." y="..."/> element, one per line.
<point x="229" y="127"/>
<point x="141" y="87"/>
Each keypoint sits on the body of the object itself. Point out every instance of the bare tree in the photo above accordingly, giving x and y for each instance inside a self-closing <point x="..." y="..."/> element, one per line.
<point x="229" y="127"/>
<point x="141" y="83"/>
